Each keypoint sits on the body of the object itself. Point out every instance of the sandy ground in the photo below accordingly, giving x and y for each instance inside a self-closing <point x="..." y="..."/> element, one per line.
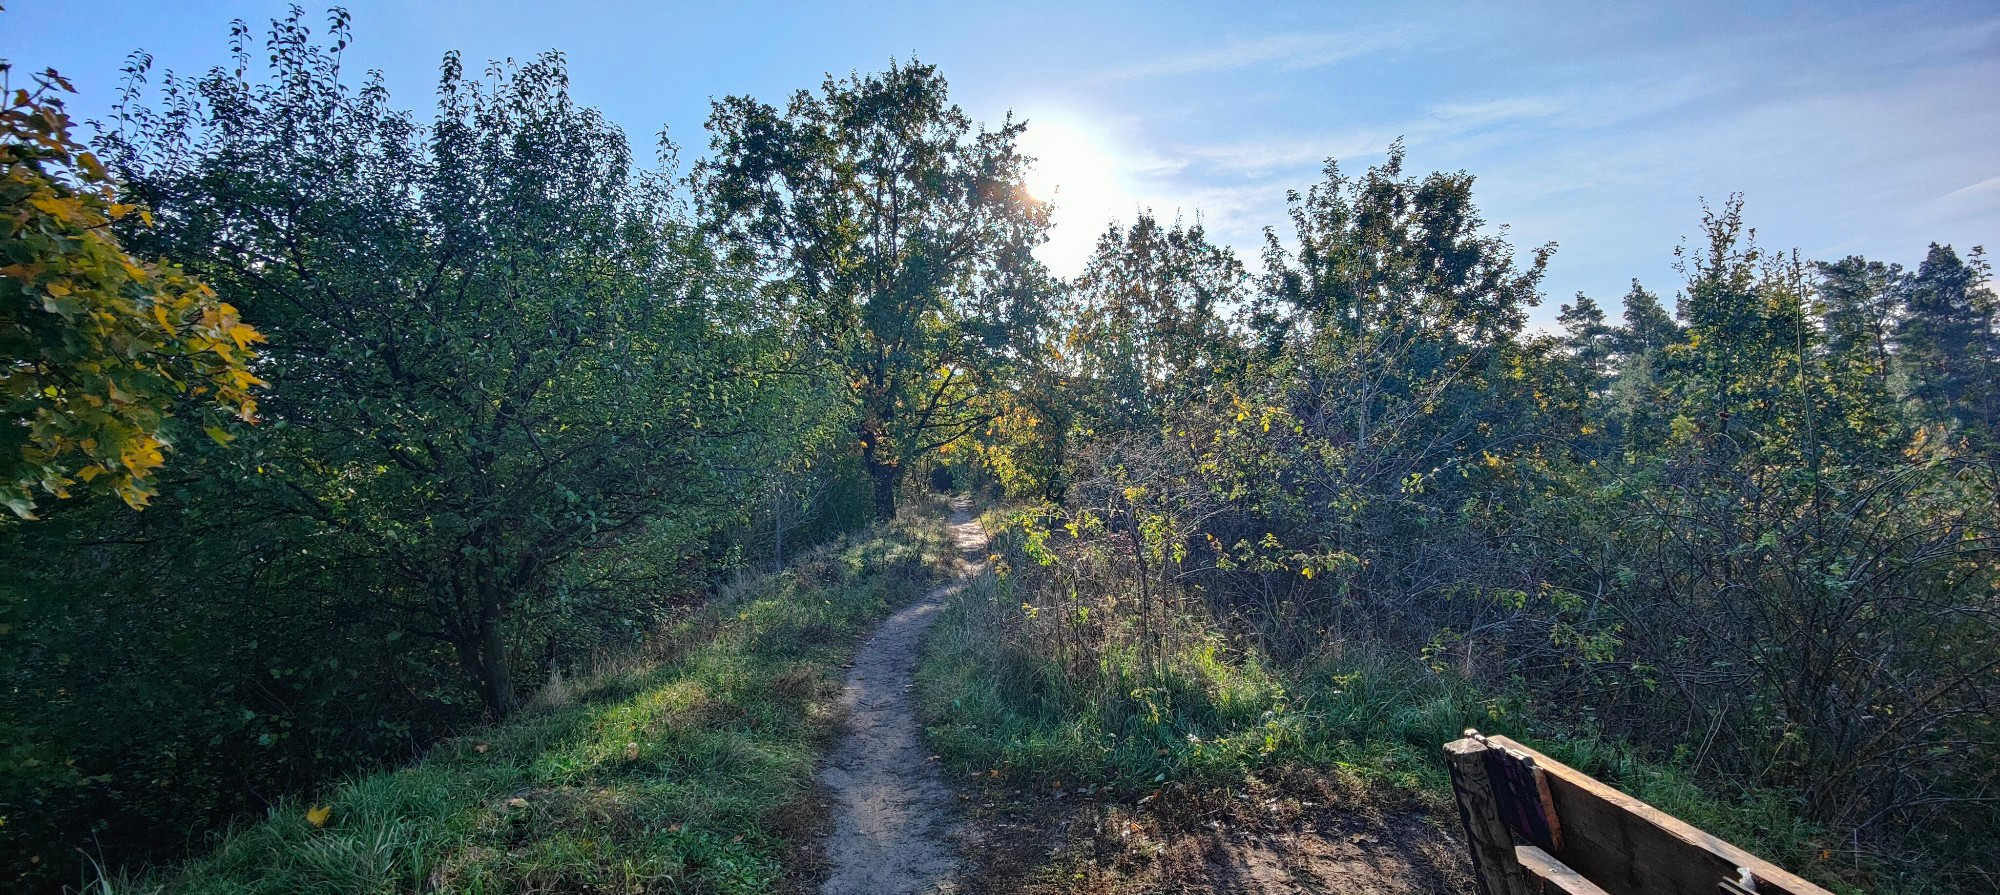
<point x="895" y="827"/>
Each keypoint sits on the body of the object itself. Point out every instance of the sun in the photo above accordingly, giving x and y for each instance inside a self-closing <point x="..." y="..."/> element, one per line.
<point x="1068" y="161"/>
<point x="1076" y="171"/>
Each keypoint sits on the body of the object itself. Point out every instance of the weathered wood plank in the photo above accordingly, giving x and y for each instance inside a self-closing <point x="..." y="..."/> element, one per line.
<point x="1553" y="874"/>
<point x="1523" y="793"/>
<point x="1631" y="848"/>
<point x="1492" y="846"/>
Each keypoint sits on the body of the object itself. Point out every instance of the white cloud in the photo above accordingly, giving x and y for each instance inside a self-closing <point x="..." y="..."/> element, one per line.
<point x="1606" y="153"/>
<point x="1285" y="51"/>
<point x="1266" y="156"/>
<point x="1989" y="185"/>
<point x="1473" y="114"/>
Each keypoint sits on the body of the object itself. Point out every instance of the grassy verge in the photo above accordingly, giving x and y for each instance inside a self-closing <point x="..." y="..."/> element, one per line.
<point x="1042" y="690"/>
<point x="685" y="768"/>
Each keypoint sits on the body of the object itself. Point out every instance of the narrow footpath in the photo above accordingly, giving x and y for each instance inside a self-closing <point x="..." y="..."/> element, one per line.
<point x="894" y="821"/>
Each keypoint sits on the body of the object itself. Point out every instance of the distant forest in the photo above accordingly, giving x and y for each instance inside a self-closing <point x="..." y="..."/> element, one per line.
<point x="334" y="429"/>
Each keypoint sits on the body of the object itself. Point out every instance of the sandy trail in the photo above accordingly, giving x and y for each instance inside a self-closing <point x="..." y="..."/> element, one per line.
<point x="894" y="823"/>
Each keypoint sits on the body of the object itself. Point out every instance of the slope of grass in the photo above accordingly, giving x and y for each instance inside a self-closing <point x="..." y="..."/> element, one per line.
<point x="1008" y="694"/>
<point x="679" y="769"/>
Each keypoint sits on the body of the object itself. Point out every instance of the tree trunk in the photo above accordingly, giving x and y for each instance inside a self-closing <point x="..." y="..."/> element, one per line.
<point x="496" y="677"/>
<point x="885" y="478"/>
<point x="885" y="473"/>
<point x="483" y="654"/>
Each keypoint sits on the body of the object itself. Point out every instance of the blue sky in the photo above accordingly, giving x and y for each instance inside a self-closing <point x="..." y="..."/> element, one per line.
<point x="1851" y="128"/>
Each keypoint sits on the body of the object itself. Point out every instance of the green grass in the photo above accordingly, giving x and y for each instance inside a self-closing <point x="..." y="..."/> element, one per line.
<point x="679" y="769"/>
<point x="1001" y="698"/>
<point x="1210" y="714"/>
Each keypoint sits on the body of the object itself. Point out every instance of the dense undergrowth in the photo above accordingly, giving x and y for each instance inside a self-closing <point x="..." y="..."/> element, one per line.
<point x="677" y="768"/>
<point x="1033" y="685"/>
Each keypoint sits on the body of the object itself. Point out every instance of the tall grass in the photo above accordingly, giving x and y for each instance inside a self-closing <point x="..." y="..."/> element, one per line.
<point x="676" y="769"/>
<point x="1000" y="699"/>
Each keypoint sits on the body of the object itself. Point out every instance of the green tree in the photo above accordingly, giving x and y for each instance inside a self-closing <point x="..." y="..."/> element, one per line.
<point x="1636" y="406"/>
<point x="897" y="234"/>
<point x="1948" y="342"/>
<point x="1401" y="296"/>
<point x="1587" y="338"/>
<point x="1858" y="306"/>
<point x="499" y="349"/>
<point x="515" y="406"/>
<point x="1648" y="326"/>
<point x="1149" y="333"/>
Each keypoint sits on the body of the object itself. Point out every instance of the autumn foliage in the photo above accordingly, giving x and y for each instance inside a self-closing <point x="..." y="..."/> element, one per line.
<point x="101" y="347"/>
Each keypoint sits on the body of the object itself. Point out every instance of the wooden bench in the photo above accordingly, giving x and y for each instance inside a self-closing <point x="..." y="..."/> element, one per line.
<point x="1535" y="825"/>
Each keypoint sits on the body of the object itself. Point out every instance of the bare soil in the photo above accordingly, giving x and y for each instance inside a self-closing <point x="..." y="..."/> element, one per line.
<point x="1287" y="832"/>
<point x="896" y="829"/>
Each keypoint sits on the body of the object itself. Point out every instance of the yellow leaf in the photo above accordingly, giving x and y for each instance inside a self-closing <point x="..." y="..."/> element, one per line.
<point x="317" y="815"/>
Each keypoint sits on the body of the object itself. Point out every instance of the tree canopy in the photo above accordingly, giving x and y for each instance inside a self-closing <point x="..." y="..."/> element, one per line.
<point x="896" y="234"/>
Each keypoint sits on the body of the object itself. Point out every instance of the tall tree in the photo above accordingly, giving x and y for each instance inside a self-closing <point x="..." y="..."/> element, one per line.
<point x="1149" y="331"/>
<point x="1949" y="344"/>
<point x="496" y="346"/>
<point x="1588" y="339"/>
<point x="1648" y="325"/>
<point x="1387" y="251"/>
<point x="1393" y="278"/>
<point x="1857" y="308"/>
<point x="1856" y="302"/>
<point x="897" y="233"/>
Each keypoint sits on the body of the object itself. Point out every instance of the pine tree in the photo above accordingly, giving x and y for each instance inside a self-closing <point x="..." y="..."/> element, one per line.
<point x="1588" y="338"/>
<point x="1947" y="345"/>
<point x="1648" y="326"/>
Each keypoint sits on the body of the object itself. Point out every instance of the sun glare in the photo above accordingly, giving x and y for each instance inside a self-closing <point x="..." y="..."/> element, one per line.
<point x="1065" y="161"/>
<point x="1075" y="171"/>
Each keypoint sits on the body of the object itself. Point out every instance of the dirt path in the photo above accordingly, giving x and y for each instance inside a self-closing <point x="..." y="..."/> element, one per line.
<point x="897" y="828"/>
<point x="894" y="824"/>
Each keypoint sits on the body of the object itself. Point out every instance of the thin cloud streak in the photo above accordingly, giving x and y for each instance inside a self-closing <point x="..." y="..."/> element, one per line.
<point x="1989" y="185"/>
<point x="1284" y="51"/>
